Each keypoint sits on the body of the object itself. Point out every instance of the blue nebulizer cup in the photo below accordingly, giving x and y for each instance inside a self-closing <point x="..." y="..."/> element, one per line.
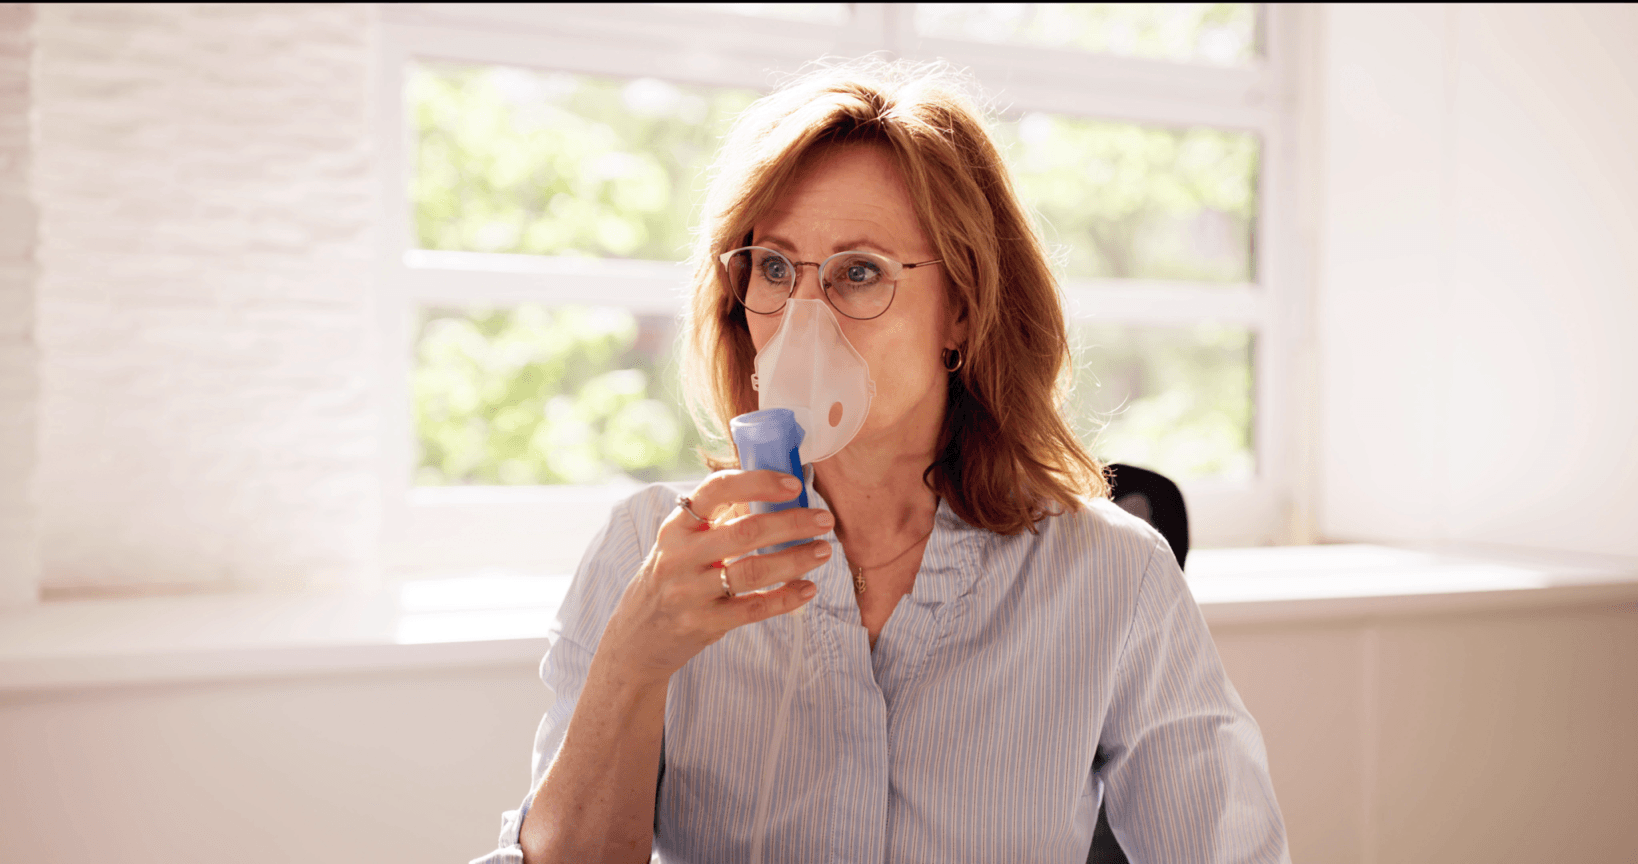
<point x="771" y="439"/>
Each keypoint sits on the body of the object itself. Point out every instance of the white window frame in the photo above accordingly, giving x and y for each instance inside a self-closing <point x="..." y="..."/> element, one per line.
<point x="432" y="530"/>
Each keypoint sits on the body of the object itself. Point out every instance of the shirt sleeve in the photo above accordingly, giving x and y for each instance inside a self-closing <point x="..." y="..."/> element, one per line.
<point x="611" y="559"/>
<point x="1185" y="773"/>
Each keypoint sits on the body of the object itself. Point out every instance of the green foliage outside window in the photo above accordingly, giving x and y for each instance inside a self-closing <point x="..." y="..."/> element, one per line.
<point x="536" y="395"/>
<point x="550" y="163"/>
<point x="1175" y="399"/>
<point x="1125" y="201"/>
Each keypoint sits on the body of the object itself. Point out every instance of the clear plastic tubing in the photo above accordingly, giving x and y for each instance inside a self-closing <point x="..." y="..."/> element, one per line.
<point x="772" y="439"/>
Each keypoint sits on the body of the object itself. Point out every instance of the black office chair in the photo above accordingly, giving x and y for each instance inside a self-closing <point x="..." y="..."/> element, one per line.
<point x="1158" y="501"/>
<point x="1154" y="499"/>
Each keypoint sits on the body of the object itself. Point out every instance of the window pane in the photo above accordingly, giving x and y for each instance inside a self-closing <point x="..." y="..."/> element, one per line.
<point x="552" y="163"/>
<point x="1221" y="34"/>
<point x="1176" y="400"/>
<point x="1125" y="201"/>
<point x="546" y="395"/>
<point x="815" y="13"/>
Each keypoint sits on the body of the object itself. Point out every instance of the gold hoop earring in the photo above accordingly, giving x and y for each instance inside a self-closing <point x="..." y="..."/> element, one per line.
<point x="959" y="359"/>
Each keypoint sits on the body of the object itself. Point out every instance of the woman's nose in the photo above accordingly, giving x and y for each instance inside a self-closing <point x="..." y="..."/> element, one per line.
<point x="807" y="284"/>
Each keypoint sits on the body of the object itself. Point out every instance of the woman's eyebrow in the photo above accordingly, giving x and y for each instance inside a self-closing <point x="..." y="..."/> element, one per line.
<point x="774" y="240"/>
<point x="864" y="243"/>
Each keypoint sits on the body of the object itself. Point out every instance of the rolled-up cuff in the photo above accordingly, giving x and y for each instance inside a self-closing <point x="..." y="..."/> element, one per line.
<point x="509" y="849"/>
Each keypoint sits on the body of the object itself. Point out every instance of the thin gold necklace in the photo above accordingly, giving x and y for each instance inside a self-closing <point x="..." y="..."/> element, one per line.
<point x="859" y="570"/>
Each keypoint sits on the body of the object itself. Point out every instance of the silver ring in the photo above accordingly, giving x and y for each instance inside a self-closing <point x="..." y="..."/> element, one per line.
<point x="726" y="591"/>
<point x="687" y="504"/>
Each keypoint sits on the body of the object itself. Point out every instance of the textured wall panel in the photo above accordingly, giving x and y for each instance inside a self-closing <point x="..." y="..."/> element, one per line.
<point x="19" y="559"/>
<point x="203" y="174"/>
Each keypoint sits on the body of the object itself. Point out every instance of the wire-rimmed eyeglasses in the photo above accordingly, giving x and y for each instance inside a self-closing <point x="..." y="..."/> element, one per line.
<point x="859" y="285"/>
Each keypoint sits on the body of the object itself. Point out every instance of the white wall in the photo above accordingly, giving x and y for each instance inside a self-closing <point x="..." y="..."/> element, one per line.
<point x="350" y="769"/>
<point x="1489" y="739"/>
<point x="202" y="178"/>
<point x="1478" y="275"/>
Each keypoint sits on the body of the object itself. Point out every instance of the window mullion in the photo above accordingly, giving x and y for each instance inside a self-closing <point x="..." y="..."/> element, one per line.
<point x="682" y="54"/>
<point x="1114" y="87"/>
<point x="655" y="290"/>
<point x="1113" y="301"/>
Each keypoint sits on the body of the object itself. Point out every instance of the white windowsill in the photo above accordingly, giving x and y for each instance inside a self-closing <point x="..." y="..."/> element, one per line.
<point x="499" y="618"/>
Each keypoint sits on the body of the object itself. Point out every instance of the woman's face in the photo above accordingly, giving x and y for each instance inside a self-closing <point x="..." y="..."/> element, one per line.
<point x="852" y="197"/>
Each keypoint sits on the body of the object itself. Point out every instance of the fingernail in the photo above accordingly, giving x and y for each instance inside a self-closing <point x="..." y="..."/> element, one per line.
<point x="807" y="591"/>
<point x="822" y="550"/>
<point x="790" y="484"/>
<point x="823" y="519"/>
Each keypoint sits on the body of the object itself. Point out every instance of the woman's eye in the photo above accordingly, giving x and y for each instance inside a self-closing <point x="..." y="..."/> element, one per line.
<point x="775" y="270"/>
<point x="860" y="273"/>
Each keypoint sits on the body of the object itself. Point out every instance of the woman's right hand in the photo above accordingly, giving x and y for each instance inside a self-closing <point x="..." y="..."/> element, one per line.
<point x="675" y="606"/>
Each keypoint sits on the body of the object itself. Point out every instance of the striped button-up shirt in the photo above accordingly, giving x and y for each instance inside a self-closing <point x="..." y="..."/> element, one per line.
<point x="1022" y="680"/>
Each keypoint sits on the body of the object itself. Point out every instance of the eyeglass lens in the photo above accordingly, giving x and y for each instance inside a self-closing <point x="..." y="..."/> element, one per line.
<point x="859" y="284"/>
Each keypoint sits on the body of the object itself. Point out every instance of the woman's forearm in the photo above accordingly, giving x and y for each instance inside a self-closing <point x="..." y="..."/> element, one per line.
<point x="596" y="802"/>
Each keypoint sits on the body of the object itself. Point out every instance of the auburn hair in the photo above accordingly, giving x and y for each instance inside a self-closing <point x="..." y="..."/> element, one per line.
<point x="1005" y="457"/>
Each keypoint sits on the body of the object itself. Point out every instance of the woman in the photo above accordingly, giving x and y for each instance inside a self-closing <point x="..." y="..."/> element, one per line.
<point x="968" y="646"/>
